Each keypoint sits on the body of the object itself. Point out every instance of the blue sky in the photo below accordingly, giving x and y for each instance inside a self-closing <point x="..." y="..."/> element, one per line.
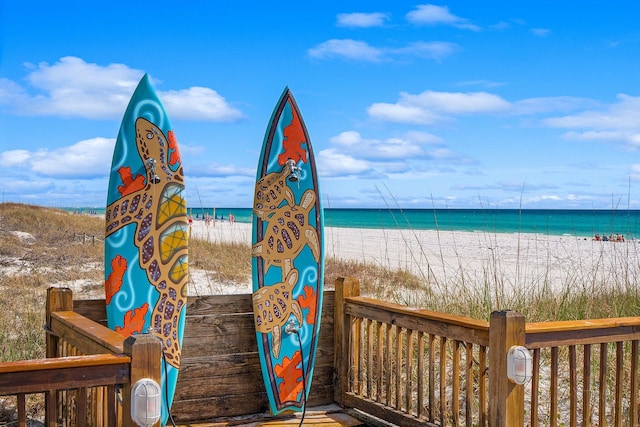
<point x="532" y="104"/>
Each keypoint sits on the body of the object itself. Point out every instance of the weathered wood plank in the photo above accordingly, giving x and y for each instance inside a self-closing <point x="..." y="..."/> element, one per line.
<point x="450" y="319"/>
<point x="61" y="362"/>
<point x="383" y="412"/>
<point x="234" y="405"/>
<point x="86" y="335"/>
<point x="415" y="319"/>
<point x="60" y="378"/>
<point x="564" y="337"/>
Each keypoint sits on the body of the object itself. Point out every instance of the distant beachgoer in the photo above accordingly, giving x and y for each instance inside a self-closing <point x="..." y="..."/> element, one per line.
<point x="232" y="219"/>
<point x="597" y="238"/>
<point x="190" y="220"/>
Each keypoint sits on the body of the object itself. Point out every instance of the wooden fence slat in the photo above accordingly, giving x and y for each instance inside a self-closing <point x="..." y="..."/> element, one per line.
<point x="633" y="396"/>
<point x="387" y="374"/>
<point x="482" y="388"/>
<point x="22" y="410"/>
<point x="410" y="376"/>
<point x="553" y="388"/>
<point x="398" y="368"/>
<point x="602" y="408"/>
<point x="356" y="323"/>
<point x="432" y="378"/>
<point x="469" y="385"/>
<point x="618" y="384"/>
<point x="573" y="387"/>
<point x="443" y="379"/>
<point x="455" y="392"/>
<point x="586" y="388"/>
<point x="420" y="375"/>
<point x="369" y="368"/>
<point x="381" y="360"/>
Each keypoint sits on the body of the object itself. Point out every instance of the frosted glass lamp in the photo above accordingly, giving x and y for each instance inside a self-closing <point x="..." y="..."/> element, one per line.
<point x="146" y="402"/>
<point x="519" y="365"/>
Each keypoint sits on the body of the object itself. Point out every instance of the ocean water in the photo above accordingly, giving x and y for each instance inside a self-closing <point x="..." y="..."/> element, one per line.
<point x="581" y="223"/>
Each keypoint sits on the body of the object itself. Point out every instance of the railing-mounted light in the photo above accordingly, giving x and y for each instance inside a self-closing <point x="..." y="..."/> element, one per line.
<point x="519" y="365"/>
<point x="146" y="402"/>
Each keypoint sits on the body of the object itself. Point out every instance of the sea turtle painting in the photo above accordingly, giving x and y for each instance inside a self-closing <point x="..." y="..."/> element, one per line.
<point x="287" y="232"/>
<point x="287" y="258"/>
<point x="274" y="305"/>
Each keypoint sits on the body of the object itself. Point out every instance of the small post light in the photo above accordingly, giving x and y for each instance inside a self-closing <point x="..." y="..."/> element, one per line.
<point x="519" y="365"/>
<point x="146" y="402"/>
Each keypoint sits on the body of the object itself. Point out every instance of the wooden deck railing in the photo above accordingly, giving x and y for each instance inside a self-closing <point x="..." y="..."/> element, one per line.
<point x="86" y="368"/>
<point x="404" y="365"/>
<point x="585" y="373"/>
<point x="414" y="367"/>
<point x="410" y="367"/>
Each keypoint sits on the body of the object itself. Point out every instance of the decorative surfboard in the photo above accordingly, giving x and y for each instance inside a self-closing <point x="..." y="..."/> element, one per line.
<point x="146" y="233"/>
<point x="288" y="258"/>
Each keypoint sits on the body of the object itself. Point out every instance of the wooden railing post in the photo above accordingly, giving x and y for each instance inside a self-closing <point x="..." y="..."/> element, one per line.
<point x="146" y="353"/>
<point x="58" y="299"/>
<point x="344" y="287"/>
<point x="506" y="399"/>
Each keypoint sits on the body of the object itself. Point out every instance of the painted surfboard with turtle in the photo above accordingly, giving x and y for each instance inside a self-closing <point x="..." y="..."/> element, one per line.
<point x="146" y="233"/>
<point x="288" y="258"/>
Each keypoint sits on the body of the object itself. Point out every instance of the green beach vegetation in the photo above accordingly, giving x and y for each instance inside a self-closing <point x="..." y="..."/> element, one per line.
<point x="43" y="247"/>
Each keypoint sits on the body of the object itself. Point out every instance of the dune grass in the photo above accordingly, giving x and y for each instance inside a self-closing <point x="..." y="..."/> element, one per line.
<point x="62" y="251"/>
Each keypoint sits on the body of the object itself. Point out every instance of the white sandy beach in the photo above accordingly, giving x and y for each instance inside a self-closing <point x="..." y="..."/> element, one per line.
<point x="452" y="259"/>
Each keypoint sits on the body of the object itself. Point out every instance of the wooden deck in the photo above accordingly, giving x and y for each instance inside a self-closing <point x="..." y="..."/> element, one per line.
<point x="324" y="416"/>
<point x="378" y="364"/>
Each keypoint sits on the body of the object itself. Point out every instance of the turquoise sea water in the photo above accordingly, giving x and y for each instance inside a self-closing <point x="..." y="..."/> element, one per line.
<point x="553" y="222"/>
<point x="583" y="223"/>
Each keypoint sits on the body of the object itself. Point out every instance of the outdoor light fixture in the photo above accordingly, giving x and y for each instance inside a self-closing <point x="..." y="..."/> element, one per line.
<point x="145" y="402"/>
<point x="519" y="365"/>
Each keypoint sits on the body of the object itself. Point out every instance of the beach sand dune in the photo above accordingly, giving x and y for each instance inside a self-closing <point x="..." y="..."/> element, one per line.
<point x="446" y="259"/>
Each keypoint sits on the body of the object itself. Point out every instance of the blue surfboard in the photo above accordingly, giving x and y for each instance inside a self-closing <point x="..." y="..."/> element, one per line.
<point x="146" y="233"/>
<point x="288" y="258"/>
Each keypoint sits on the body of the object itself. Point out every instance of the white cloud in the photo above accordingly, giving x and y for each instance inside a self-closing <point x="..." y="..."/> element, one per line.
<point x="456" y="102"/>
<point x="72" y="87"/>
<point x="630" y="138"/>
<point x="332" y="163"/>
<point x="431" y="50"/>
<point x="346" y="48"/>
<point x="623" y="114"/>
<point x="391" y="148"/>
<point x="399" y="113"/>
<point x="615" y="122"/>
<point x="555" y="104"/>
<point x="430" y="14"/>
<point x="14" y="158"/>
<point x="361" y="20"/>
<point x="199" y="103"/>
<point x="540" y="32"/>
<point x="25" y="187"/>
<point x="361" y="51"/>
<point x="85" y="159"/>
<point x="429" y="107"/>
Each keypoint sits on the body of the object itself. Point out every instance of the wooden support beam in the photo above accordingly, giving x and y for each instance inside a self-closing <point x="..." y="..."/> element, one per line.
<point x="146" y="356"/>
<point x="506" y="405"/>
<point x="344" y="287"/>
